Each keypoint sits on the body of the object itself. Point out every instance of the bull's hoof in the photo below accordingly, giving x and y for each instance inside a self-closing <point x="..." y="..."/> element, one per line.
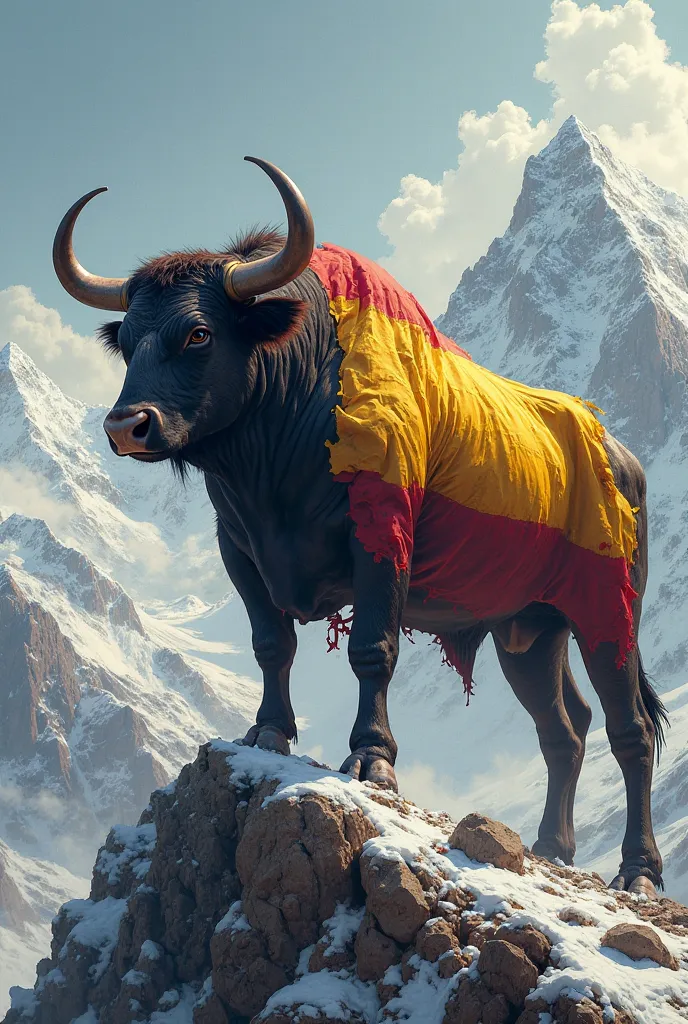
<point x="641" y="885"/>
<point x="644" y="886"/>
<point x="553" y="851"/>
<point x="370" y="768"/>
<point x="267" y="737"/>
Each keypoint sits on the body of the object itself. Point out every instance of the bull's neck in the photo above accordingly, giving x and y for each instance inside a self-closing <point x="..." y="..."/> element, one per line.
<point x="279" y="439"/>
<point x="292" y="378"/>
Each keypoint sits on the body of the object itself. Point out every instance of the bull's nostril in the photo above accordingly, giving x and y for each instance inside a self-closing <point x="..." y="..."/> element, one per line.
<point x="141" y="429"/>
<point x="131" y="433"/>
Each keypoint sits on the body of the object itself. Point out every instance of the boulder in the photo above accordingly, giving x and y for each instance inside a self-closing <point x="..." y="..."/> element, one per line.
<point x="576" y="915"/>
<point x="375" y="952"/>
<point x="505" y="969"/>
<point x="473" y="1003"/>
<point x="639" y="942"/>
<point x="534" y="943"/>
<point x="295" y="861"/>
<point x="395" y="897"/>
<point x="489" y="842"/>
<point x="435" y="938"/>
<point x="582" y="1011"/>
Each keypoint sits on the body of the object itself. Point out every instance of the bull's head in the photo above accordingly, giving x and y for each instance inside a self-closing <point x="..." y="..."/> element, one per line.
<point x="191" y="327"/>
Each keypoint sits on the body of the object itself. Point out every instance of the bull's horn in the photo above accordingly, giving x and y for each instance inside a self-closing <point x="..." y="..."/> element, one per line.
<point x="244" y="280"/>
<point x="101" y="292"/>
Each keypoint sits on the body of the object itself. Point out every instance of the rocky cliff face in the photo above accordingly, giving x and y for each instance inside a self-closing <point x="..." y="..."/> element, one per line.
<point x="95" y="708"/>
<point x="267" y="889"/>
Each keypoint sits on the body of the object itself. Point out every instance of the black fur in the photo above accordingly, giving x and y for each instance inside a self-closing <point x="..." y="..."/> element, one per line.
<point x="108" y="336"/>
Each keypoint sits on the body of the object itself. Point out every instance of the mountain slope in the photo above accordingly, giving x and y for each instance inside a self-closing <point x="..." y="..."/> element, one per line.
<point x="30" y="892"/>
<point x="138" y="525"/>
<point x="100" y="702"/>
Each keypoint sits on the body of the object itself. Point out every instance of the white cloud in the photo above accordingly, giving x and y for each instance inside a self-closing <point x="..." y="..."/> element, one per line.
<point x="609" y="68"/>
<point x="499" y="789"/>
<point x="28" y="493"/>
<point x="422" y="784"/>
<point x="76" y="364"/>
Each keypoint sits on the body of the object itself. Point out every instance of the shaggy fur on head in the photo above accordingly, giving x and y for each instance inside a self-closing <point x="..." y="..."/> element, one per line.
<point x="270" y="321"/>
<point x="172" y="267"/>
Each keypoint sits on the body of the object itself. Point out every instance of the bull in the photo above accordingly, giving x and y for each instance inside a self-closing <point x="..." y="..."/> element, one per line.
<point x="336" y="432"/>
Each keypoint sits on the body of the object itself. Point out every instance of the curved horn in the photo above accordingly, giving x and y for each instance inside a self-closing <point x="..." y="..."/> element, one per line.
<point x="101" y="292"/>
<point x="245" y="280"/>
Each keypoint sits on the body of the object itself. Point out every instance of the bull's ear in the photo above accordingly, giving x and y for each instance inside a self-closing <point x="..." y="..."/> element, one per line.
<point x="272" y="321"/>
<point x="107" y="335"/>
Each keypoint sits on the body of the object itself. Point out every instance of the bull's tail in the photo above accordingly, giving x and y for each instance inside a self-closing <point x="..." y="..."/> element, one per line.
<point x="654" y="707"/>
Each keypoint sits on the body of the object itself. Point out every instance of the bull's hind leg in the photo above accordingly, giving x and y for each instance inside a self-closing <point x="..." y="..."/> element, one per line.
<point x="634" y="714"/>
<point x="631" y="733"/>
<point x="580" y="716"/>
<point x="542" y="682"/>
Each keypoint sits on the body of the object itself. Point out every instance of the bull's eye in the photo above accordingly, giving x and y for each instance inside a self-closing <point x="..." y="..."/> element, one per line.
<point x="199" y="336"/>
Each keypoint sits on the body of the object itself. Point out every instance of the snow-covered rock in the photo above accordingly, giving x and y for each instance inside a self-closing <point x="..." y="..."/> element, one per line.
<point x="266" y="888"/>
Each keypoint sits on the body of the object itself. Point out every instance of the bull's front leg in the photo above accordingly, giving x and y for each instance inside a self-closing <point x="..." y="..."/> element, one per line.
<point x="380" y="593"/>
<point x="274" y="646"/>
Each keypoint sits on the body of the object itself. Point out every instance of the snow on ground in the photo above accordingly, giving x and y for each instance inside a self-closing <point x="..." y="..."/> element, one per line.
<point x="583" y="966"/>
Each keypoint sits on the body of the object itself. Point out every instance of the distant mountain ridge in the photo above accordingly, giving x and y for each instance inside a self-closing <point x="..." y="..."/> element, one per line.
<point x="132" y="522"/>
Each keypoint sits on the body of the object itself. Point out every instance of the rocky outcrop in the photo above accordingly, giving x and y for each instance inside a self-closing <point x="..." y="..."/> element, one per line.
<point x="263" y="888"/>
<point x="39" y="673"/>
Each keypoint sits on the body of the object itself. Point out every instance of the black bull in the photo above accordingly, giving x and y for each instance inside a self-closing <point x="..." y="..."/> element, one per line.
<point x="245" y="392"/>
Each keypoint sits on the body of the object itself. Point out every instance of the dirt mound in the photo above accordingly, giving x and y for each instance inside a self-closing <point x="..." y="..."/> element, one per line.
<point x="263" y="888"/>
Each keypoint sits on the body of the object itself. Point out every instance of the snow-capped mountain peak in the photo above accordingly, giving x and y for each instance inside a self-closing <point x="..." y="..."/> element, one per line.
<point x="586" y="290"/>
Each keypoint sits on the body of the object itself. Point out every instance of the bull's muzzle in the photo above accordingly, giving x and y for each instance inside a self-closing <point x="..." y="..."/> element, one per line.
<point x="134" y="431"/>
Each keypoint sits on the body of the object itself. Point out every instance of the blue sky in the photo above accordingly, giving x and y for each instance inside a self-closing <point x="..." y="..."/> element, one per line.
<point x="161" y="100"/>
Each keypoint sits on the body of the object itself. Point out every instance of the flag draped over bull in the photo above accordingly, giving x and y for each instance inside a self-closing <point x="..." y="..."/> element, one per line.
<point x="493" y="494"/>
